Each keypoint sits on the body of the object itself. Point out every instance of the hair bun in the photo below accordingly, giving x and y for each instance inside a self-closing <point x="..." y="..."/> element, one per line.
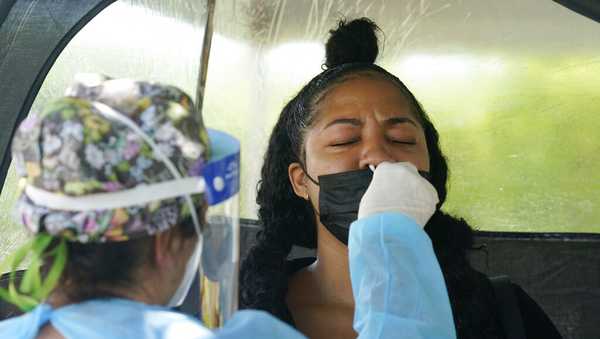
<point x="354" y="41"/>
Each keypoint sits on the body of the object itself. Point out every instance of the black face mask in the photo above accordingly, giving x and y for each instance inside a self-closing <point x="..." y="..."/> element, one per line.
<point x="339" y="198"/>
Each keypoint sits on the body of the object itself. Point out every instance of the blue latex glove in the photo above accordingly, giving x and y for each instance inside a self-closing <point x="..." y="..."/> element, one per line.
<point x="397" y="283"/>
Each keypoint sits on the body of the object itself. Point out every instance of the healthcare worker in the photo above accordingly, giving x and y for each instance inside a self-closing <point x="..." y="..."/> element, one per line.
<point x="118" y="181"/>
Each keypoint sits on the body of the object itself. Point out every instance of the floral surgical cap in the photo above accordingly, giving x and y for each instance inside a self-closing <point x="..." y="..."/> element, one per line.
<point x="69" y="148"/>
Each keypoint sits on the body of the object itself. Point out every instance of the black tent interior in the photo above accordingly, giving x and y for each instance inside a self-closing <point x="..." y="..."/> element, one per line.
<point x="560" y="270"/>
<point x="589" y="8"/>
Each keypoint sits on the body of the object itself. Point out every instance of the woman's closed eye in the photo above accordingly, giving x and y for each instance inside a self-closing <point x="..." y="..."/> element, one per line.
<point x="403" y="141"/>
<point x="345" y="142"/>
<point x="348" y="142"/>
<point x="401" y="136"/>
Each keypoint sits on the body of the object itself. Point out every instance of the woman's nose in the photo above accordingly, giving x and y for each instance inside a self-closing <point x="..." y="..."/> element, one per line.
<point x="375" y="151"/>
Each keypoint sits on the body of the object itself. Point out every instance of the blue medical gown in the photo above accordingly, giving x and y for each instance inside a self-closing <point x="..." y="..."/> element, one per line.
<point x="122" y="318"/>
<point x="396" y="281"/>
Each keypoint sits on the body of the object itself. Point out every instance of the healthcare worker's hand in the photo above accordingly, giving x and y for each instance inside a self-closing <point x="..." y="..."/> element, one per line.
<point x="398" y="187"/>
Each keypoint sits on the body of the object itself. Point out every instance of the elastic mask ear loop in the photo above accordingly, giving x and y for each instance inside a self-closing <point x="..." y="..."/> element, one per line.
<point x="308" y="175"/>
<point x="314" y="208"/>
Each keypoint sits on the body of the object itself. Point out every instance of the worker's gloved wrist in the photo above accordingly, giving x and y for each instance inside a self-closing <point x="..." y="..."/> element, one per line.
<point x="398" y="187"/>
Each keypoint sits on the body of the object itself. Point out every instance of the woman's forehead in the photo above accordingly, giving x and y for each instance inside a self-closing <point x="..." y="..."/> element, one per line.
<point x="363" y="94"/>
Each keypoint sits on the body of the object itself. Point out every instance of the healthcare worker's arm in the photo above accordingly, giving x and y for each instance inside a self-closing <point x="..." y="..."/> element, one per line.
<point x="397" y="283"/>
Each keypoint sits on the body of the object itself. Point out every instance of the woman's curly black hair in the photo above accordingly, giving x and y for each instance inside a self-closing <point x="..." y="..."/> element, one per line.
<point x="288" y="220"/>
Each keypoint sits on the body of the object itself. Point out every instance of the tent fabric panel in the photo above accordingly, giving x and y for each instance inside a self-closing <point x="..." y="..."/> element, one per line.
<point x="589" y="8"/>
<point x="563" y="276"/>
<point x="5" y="7"/>
<point x="31" y="38"/>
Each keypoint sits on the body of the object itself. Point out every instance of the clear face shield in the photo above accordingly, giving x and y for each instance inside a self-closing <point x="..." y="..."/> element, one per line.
<point x="219" y="262"/>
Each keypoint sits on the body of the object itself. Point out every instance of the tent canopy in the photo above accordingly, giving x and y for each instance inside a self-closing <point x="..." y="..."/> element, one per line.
<point x="560" y="270"/>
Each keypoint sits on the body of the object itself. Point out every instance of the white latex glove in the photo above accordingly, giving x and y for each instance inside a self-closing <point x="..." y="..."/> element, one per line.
<point x="398" y="187"/>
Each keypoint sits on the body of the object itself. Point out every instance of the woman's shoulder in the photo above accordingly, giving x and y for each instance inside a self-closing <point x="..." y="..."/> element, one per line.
<point x="278" y="305"/>
<point x="266" y="290"/>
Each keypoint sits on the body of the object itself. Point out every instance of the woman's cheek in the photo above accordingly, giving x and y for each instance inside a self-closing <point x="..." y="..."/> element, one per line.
<point x="321" y="163"/>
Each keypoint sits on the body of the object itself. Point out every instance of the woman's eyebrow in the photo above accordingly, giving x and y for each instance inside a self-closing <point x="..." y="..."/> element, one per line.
<point x="400" y="120"/>
<point x="348" y="121"/>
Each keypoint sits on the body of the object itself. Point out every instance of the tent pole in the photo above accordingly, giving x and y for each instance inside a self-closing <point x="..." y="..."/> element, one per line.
<point x="203" y="71"/>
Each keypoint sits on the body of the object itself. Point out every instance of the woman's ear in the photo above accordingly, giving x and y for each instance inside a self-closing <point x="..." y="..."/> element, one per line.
<point x="298" y="180"/>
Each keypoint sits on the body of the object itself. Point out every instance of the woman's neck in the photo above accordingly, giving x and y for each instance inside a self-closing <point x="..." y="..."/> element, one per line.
<point x="331" y="269"/>
<point x="320" y="296"/>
